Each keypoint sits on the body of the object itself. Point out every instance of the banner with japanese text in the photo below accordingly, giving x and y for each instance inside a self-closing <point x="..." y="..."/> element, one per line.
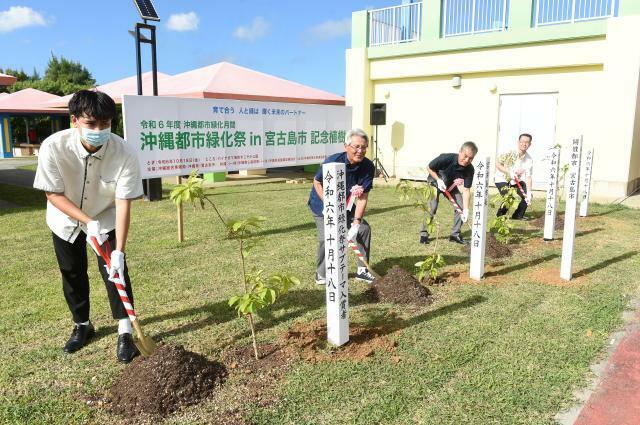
<point x="173" y="136"/>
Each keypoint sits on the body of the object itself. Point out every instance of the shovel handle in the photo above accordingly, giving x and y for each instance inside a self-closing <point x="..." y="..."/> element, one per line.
<point x="362" y="258"/>
<point x="520" y="188"/>
<point x="455" y="205"/>
<point x="105" y="254"/>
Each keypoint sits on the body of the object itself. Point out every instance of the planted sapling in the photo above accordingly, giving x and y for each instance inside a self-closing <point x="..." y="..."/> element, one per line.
<point x="259" y="291"/>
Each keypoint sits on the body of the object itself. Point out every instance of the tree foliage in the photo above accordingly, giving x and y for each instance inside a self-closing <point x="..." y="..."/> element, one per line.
<point x="420" y="196"/>
<point x="61" y="77"/>
<point x="259" y="291"/>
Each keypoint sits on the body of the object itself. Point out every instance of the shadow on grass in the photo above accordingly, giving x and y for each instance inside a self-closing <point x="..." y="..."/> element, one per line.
<point x="590" y="231"/>
<point x="391" y="323"/>
<point x="296" y="303"/>
<point x="606" y="263"/>
<point x="24" y="199"/>
<point x="215" y="313"/>
<point x="408" y="263"/>
<point x="521" y="266"/>
<point x="312" y="225"/>
<point x="217" y="193"/>
<point x="213" y="191"/>
<point x="612" y="209"/>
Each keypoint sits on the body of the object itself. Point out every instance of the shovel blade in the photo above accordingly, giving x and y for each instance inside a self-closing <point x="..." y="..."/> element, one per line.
<point x="145" y="345"/>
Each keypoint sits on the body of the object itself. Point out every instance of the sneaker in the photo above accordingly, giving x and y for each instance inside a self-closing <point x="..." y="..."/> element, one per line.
<point x="523" y="218"/>
<point x="365" y="276"/>
<point x="457" y="239"/>
<point x="320" y="280"/>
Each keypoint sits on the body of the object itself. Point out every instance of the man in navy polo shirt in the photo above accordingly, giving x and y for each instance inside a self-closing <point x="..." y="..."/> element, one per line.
<point x="359" y="181"/>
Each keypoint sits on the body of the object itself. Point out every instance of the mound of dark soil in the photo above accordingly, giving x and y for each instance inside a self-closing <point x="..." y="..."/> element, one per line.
<point x="400" y="287"/>
<point x="558" y="225"/>
<point x="493" y="249"/>
<point x="170" y="378"/>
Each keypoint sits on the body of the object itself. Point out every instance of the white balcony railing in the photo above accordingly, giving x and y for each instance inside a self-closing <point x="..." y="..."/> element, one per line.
<point x="460" y="17"/>
<point x="397" y="24"/>
<point x="550" y="12"/>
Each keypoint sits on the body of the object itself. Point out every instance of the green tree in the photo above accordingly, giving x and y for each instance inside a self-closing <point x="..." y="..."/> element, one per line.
<point x="65" y="71"/>
<point x="420" y="196"/>
<point x="259" y="291"/>
<point x="61" y="77"/>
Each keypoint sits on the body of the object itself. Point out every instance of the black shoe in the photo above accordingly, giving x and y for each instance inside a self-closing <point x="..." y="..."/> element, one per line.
<point x="457" y="239"/>
<point x="126" y="349"/>
<point x="79" y="337"/>
<point x="523" y="218"/>
<point x="424" y="239"/>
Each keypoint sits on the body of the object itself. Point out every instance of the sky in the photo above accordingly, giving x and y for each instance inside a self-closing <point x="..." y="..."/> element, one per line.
<point x="302" y="41"/>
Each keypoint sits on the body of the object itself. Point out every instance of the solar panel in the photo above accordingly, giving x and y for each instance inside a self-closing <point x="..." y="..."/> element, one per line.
<point x="146" y="10"/>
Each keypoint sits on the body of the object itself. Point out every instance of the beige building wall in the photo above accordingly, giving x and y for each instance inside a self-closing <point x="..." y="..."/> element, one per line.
<point x="596" y="81"/>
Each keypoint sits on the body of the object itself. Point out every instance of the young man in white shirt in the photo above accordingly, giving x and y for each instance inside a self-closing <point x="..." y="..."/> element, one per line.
<point x="516" y="165"/>
<point x="90" y="178"/>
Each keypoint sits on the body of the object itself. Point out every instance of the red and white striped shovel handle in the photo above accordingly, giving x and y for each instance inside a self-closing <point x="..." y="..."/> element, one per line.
<point x="106" y="256"/>
<point x="362" y="258"/>
<point x="453" y="202"/>
<point x="355" y="249"/>
<point x="520" y="187"/>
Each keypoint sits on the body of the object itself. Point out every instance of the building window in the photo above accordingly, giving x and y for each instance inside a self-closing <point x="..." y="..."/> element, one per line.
<point x="461" y="17"/>
<point x="548" y="12"/>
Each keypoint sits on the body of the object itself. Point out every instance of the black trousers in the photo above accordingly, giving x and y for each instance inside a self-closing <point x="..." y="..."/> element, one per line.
<point x="522" y="206"/>
<point x="72" y="261"/>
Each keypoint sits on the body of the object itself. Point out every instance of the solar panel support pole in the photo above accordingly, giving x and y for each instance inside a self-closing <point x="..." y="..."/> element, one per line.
<point x="152" y="187"/>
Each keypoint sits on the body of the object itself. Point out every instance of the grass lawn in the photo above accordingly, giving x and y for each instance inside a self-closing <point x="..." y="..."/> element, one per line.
<point x="31" y="167"/>
<point x="511" y="349"/>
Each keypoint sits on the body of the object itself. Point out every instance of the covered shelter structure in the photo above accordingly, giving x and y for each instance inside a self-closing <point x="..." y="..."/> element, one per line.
<point x="225" y="80"/>
<point x="7" y="80"/>
<point x="28" y="104"/>
<point x="222" y="80"/>
<point x="116" y="89"/>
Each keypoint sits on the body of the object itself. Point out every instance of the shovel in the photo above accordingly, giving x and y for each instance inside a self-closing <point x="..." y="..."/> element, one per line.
<point x="520" y="188"/>
<point x="454" y="203"/>
<point x="145" y="344"/>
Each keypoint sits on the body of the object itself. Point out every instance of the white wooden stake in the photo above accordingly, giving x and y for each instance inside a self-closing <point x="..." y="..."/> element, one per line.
<point x="571" y="204"/>
<point x="588" y="166"/>
<point x="552" y="194"/>
<point x="479" y="220"/>
<point x="335" y="251"/>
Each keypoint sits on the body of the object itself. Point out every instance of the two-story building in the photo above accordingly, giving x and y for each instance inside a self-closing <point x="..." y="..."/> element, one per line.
<point x="487" y="70"/>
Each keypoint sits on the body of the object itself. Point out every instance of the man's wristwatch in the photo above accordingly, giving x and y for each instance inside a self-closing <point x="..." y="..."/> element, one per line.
<point x="359" y="219"/>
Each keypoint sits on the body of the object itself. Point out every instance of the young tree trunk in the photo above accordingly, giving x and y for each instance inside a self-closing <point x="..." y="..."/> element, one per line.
<point x="253" y="336"/>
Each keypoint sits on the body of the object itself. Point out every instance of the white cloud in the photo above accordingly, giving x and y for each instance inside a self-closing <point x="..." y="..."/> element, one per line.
<point x="183" y="22"/>
<point x="330" y="29"/>
<point x="20" y="17"/>
<point x="256" y="30"/>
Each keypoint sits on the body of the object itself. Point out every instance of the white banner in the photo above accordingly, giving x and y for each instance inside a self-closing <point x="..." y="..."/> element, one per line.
<point x="173" y="136"/>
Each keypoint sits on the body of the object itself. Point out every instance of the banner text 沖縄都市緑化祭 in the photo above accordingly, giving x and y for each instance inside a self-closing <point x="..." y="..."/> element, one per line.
<point x="173" y="136"/>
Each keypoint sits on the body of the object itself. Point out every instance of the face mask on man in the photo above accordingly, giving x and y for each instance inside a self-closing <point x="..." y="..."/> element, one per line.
<point x="96" y="138"/>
